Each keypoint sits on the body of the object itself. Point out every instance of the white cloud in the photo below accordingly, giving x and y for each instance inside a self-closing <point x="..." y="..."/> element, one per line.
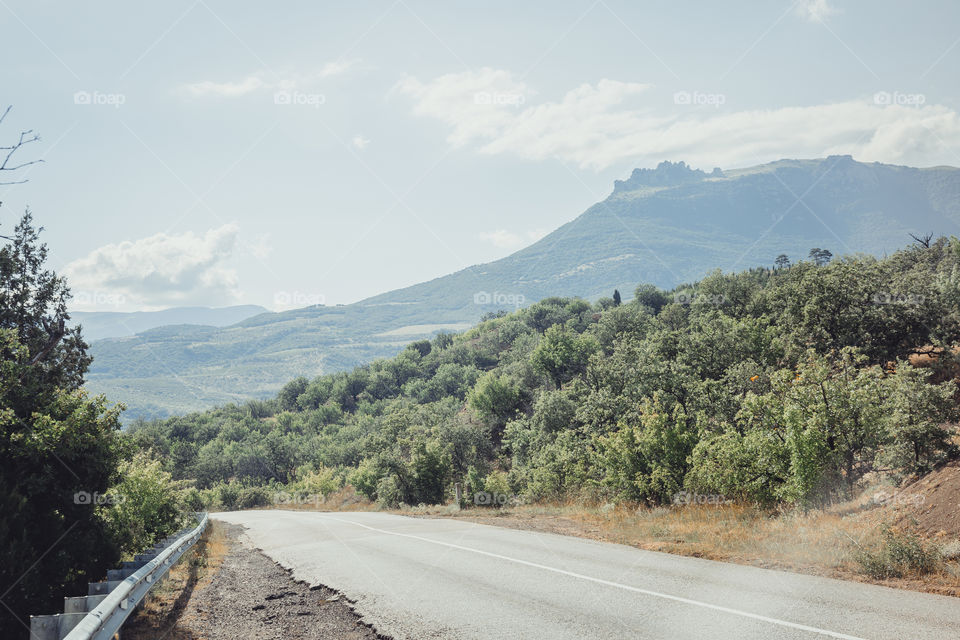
<point x="359" y="142"/>
<point x="337" y="67"/>
<point x="225" y="89"/>
<point x="503" y="239"/>
<point x="815" y="10"/>
<point x="263" y="82"/>
<point x="592" y="126"/>
<point x="158" y="271"/>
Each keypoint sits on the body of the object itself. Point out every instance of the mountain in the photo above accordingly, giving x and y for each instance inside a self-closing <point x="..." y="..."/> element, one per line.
<point x="112" y="324"/>
<point x="664" y="226"/>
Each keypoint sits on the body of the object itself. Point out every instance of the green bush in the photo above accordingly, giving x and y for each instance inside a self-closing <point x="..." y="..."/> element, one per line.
<point x="253" y="497"/>
<point x="899" y="554"/>
<point x="144" y="506"/>
<point x="228" y="496"/>
<point x="194" y="500"/>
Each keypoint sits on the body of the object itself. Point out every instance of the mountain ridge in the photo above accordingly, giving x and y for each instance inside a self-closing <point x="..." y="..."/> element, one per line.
<point x="664" y="226"/>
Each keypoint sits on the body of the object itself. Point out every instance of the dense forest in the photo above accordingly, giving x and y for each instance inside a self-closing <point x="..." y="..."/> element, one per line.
<point x="782" y="385"/>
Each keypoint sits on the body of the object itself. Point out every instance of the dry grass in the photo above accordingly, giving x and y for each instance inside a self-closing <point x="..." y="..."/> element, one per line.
<point x="345" y="499"/>
<point x="160" y="611"/>
<point x="826" y="542"/>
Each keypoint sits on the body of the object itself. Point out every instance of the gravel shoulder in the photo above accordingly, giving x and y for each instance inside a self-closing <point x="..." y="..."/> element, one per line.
<point x="249" y="596"/>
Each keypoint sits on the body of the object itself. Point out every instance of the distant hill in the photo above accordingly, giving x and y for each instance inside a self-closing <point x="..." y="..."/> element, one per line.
<point x="112" y="324"/>
<point x="664" y="226"/>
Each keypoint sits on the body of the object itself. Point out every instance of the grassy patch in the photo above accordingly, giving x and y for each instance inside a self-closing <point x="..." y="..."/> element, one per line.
<point x="899" y="554"/>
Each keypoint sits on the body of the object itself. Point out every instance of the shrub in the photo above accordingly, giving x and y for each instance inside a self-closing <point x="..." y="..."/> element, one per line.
<point x="900" y="553"/>
<point x="145" y="505"/>
<point x="228" y="496"/>
<point x="498" y="486"/>
<point x="252" y="497"/>
<point x="194" y="500"/>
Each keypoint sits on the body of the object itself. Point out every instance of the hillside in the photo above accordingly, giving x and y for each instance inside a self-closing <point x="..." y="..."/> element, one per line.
<point x="662" y="226"/>
<point x="772" y="386"/>
<point x="98" y="325"/>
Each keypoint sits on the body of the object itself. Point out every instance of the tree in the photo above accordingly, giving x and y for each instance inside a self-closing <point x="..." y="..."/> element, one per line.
<point x="59" y="449"/>
<point x="616" y="298"/>
<point x="820" y="256"/>
<point x="648" y="455"/>
<point x="649" y="296"/>
<point x="143" y="505"/>
<point x="782" y="261"/>
<point x="495" y="397"/>
<point x="563" y="353"/>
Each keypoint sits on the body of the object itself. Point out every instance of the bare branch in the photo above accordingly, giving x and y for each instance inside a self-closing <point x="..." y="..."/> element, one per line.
<point x="923" y="241"/>
<point x="26" y="137"/>
<point x="55" y="333"/>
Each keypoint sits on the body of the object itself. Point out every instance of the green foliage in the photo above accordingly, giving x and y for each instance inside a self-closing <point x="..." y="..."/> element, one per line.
<point x="646" y="458"/>
<point x="314" y="482"/>
<point x="144" y="505"/>
<point x="563" y="354"/>
<point x="59" y="448"/>
<point x="898" y="554"/>
<point x="496" y="397"/>
<point x="768" y="386"/>
<point x="497" y="485"/>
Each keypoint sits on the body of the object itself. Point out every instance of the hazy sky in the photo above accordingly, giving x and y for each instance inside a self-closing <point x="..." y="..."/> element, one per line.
<point x="284" y="154"/>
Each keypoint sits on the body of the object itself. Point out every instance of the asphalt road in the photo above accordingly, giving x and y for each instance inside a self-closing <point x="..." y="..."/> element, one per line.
<point x="439" y="578"/>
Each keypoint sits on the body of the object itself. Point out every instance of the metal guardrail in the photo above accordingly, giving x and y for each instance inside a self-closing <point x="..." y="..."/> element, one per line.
<point x="100" y="614"/>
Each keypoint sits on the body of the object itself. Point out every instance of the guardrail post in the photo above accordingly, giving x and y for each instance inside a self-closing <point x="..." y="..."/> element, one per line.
<point x="102" y="588"/>
<point x="55" y="627"/>
<point x="43" y="628"/>
<point x="82" y="604"/>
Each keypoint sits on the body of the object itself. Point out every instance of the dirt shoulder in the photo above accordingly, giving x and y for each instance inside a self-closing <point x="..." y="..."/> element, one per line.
<point x="817" y="543"/>
<point x="228" y="591"/>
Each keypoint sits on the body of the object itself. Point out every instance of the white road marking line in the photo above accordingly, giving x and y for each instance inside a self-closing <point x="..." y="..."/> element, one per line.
<point x="626" y="587"/>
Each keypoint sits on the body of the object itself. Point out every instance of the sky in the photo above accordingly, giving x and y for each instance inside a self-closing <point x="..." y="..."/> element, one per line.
<point x="214" y="153"/>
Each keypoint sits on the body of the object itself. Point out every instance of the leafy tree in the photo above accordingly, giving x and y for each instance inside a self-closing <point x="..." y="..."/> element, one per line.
<point x="58" y="447"/>
<point x="782" y="261"/>
<point x="916" y="413"/>
<point x="647" y="458"/>
<point x="769" y="386"/>
<point x="820" y="256"/>
<point x="496" y="397"/>
<point x="562" y="353"/>
<point x="616" y="298"/>
<point x="651" y="297"/>
<point x="143" y="506"/>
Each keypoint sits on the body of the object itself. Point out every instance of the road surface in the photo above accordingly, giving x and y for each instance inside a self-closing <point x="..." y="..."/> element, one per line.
<point x="440" y="578"/>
